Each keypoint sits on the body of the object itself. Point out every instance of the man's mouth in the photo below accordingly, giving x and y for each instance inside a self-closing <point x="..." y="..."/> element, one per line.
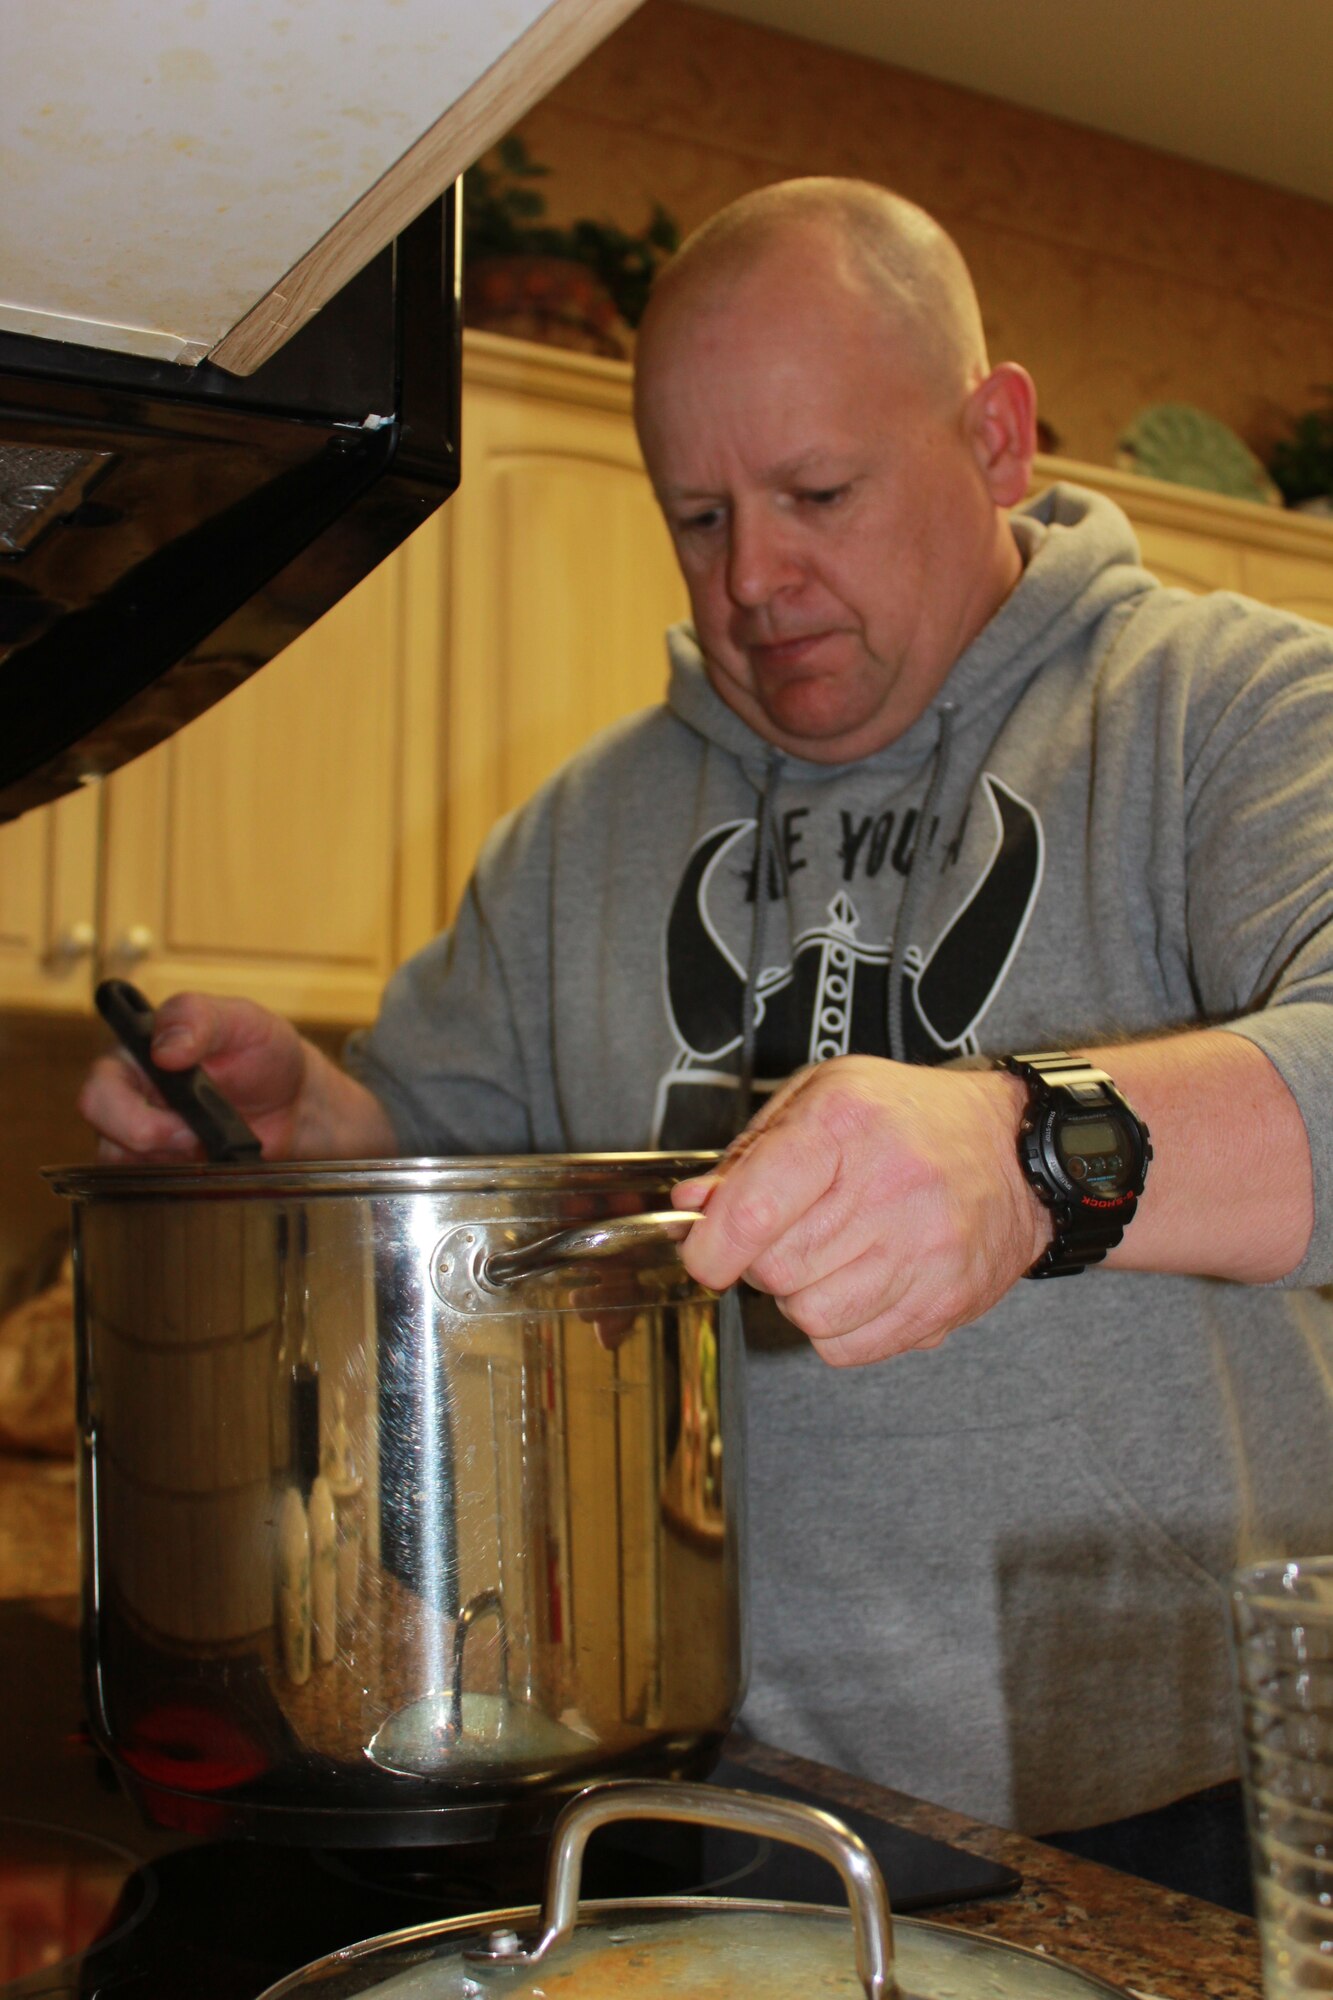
<point x="796" y="650"/>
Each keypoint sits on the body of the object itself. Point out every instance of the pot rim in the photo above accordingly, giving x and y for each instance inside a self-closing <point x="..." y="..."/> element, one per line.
<point x="473" y="1174"/>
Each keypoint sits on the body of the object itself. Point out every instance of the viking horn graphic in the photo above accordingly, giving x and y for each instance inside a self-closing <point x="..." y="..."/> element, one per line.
<point x="971" y="955"/>
<point x="705" y="985"/>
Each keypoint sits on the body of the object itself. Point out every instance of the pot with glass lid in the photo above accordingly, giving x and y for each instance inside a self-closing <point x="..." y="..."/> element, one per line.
<point x="691" y="1947"/>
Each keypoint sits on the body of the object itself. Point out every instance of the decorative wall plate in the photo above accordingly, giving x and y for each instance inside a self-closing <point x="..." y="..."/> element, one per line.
<point x="1175" y="441"/>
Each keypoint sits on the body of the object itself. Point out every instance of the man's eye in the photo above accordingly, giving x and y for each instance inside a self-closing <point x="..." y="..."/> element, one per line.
<point x="699" y="523"/>
<point x="822" y="496"/>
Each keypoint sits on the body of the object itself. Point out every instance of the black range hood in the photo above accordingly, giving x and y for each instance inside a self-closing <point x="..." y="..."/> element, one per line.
<point x="165" y="530"/>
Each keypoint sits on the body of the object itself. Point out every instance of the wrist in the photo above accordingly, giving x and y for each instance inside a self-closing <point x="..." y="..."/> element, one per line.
<point x="1033" y="1222"/>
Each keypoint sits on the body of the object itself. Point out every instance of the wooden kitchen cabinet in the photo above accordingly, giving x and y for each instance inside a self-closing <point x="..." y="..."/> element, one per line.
<point x="284" y="846"/>
<point x="1297" y="579"/>
<point x="48" y="905"/>
<point x="257" y="851"/>
<point x="1189" y="560"/>
<point x="1205" y="542"/>
<point x="563" y="580"/>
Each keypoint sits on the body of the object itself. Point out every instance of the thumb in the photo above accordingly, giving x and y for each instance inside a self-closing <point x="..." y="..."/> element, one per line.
<point x="696" y="1193"/>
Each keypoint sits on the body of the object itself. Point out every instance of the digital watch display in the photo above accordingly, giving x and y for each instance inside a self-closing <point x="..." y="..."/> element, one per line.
<point x="1084" y="1152"/>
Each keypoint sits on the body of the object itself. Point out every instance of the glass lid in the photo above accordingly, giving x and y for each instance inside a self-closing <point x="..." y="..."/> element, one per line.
<point x="691" y="1948"/>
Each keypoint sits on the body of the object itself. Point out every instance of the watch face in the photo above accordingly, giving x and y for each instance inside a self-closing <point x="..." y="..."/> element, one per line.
<point x="1097" y="1154"/>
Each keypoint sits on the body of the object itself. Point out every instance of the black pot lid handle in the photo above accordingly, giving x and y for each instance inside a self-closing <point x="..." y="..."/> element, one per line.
<point x="218" y="1125"/>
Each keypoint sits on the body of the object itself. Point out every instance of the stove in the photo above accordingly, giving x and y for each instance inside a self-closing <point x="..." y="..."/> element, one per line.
<point x="95" y="1904"/>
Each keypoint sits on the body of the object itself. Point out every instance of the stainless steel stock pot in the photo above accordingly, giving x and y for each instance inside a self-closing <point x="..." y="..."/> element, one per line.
<point x="410" y="1491"/>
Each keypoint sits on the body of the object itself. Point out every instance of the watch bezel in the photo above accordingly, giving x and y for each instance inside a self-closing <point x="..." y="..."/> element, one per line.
<point x="1046" y="1168"/>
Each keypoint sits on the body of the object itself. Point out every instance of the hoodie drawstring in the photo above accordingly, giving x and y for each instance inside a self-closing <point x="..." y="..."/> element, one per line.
<point x="913" y="890"/>
<point x="764" y="848"/>
<point x="914" y="886"/>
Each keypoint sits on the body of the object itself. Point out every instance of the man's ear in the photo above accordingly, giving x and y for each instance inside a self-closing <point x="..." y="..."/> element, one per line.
<point x="1001" y="421"/>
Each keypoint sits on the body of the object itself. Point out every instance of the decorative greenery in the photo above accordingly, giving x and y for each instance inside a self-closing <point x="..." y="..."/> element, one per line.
<point x="503" y="217"/>
<point x="1302" y="464"/>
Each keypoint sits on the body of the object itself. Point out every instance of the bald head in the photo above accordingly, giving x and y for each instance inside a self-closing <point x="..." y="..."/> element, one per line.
<point x="845" y="234"/>
<point x="833" y="456"/>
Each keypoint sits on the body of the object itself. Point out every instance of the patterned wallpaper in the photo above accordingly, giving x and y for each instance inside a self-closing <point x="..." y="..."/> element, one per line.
<point x="1118" y="275"/>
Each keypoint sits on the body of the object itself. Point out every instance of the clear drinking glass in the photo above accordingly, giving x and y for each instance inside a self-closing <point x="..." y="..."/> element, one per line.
<point x="1282" y="1634"/>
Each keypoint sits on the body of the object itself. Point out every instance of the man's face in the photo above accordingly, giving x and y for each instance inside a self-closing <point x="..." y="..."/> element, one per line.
<point x="826" y="506"/>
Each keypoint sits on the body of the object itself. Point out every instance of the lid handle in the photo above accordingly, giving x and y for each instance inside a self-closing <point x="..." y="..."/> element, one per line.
<point x="739" y="1812"/>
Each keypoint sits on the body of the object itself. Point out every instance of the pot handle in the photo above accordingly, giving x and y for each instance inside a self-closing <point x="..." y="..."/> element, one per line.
<point x="705" y="1805"/>
<point x="616" y="1236"/>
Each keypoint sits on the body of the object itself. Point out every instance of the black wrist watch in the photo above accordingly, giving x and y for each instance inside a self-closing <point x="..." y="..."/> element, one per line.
<point x="1084" y="1152"/>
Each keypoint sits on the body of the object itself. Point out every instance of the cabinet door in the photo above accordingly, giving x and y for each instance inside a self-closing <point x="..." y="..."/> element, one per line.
<point x="563" y="585"/>
<point x="48" y="905"/>
<point x="256" y="851"/>
<point x="1292" y="582"/>
<point x="1193" y="562"/>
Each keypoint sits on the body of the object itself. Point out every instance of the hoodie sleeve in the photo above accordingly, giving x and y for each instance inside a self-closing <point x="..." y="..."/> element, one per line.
<point x="1259" y="884"/>
<point x="445" y="1056"/>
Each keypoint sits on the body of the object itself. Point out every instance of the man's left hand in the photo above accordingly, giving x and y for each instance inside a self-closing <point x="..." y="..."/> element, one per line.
<point x="882" y="1204"/>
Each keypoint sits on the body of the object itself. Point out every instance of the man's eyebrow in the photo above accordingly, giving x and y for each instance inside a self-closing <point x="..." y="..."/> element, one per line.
<point x="791" y="469"/>
<point x="784" y="473"/>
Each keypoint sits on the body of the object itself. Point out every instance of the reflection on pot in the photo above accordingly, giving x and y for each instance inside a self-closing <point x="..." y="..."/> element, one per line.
<point x="505" y="1560"/>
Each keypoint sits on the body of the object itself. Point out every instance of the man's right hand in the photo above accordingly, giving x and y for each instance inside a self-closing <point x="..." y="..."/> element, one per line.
<point x="298" y="1103"/>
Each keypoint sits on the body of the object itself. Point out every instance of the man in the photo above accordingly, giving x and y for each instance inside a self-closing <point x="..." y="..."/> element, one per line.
<point x="936" y="783"/>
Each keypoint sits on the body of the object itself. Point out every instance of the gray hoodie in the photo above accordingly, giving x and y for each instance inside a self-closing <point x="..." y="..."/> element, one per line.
<point x="989" y="1574"/>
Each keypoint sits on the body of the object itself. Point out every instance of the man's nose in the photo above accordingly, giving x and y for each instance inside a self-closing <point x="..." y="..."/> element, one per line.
<point x="760" y="560"/>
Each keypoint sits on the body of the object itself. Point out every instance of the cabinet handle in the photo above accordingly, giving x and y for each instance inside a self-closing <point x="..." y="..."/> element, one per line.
<point x="133" y="944"/>
<point x="76" y="941"/>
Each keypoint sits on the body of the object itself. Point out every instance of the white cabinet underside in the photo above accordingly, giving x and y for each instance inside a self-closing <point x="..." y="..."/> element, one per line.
<point x="164" y="165"/>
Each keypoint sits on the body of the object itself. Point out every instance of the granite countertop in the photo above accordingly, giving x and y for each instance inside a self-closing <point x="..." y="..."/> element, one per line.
<point x="1151" y="1941"/>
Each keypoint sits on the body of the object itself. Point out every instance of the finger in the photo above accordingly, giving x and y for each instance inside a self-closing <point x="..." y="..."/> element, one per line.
<point x="788" y="1166"/>
<point x="196" y="1028"/>
<point x="853" y="1293"/>
<point x="176" y="1148"/>
<point x="255" y="1057"/>
<point x="880" y="1339"/>
<point x="135" y="1123"/>
<point x="877" y="1306"/>
<point x="121" y="1105"/>
<point x="696" y="1193"/>
<point x="122" y="1074"/>
<point x="846" y="1222"/>
<point x="155" y="1136"/>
